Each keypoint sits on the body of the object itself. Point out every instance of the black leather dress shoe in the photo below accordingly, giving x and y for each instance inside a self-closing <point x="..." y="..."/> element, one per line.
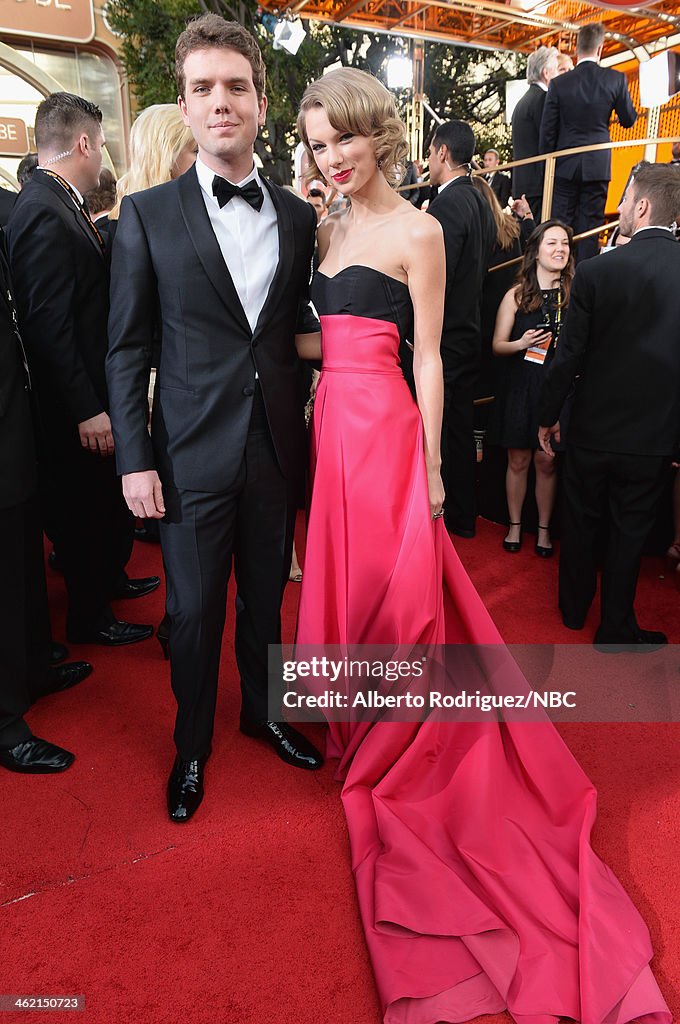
<point x="137" y="588"/>
<point x="63" y="677"/>
<point x="58" y="653"/>
<point x="185" y="789"/>
<point x="462" y="531"/>
<point x="644" y="642"/>
<point x="116" y="634"/>
<point x="291" y="746"/>
<point x="36" y="757"/>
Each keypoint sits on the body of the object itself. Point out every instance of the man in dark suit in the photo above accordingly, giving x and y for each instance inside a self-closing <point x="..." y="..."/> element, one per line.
<point x="25" y="672"/>
<point x="577" y="112"/>
<point x="619" y="342"/>
<point x="225" y="256"/>
<point x="57" y="261"/>
<point x="526" y="126"/>
<point x="7" y="201"/>
<point x="498" y="180"/>
<point x="469" y="236"/>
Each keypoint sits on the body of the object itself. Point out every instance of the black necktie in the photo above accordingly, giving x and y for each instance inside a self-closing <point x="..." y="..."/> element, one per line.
<point x="224" y="191"/>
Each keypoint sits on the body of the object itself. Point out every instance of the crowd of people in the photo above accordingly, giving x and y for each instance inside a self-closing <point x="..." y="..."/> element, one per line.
<point x="198" y="268"/>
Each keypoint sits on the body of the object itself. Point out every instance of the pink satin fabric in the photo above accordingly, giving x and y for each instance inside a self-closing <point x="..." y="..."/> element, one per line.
<point x="477" y="885"/>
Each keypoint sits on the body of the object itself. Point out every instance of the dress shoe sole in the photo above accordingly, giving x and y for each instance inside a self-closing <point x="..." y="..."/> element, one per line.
<point x="631" y="648"/>
<point x="132" y="596"/>
<point x="37" y="769"/>
<point x="122" y="642"/>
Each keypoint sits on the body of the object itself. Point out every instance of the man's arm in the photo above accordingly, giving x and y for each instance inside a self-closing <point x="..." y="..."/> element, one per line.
<point x="625" y="111"/>
<point x="571" y="350"/>
<point x="128" y="364"/>
<point x="44" y="268"/>
<point x="550" y="123"/>
<point x="132" y="318"/>
<point x="455" y="233"/>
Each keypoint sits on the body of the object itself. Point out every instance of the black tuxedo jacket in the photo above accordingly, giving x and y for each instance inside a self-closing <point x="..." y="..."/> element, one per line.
<point x="620" y="337"/>
<point x="61" y="292"/>
<point x="526" y="129"/>
<point x="167" y="263"/>
<point x="17" y="448"/>
<point x="501" y="187"/>
<point x="577" y="111"/>
<point x="469" y="238"/>
<point x="7" y="201"/>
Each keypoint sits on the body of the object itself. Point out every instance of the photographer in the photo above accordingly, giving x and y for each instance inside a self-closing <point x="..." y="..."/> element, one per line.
<point x="527" y="331"/>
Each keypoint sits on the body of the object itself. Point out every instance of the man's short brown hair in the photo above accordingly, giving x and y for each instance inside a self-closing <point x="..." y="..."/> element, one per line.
<point x="211" y="30"/>
<point x="62" y="117"/>
<point x="659" y="184"/>
<point x="590" y="37"/>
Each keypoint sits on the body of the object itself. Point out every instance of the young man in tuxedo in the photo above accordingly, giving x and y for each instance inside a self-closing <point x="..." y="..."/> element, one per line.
<point x="25" y="638"/>
<point x="619" y="344"/>
<point x="498" y="180"/>
<point x="526" y="127"/>
<point x="577" y="112"/>
<point x="57" y="261"/>
<point x="469" y="236"/>
<point x="224" y="258"/>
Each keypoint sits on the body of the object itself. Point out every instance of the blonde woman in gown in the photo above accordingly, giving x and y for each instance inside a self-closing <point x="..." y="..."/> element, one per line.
<point x="478" y="888"/>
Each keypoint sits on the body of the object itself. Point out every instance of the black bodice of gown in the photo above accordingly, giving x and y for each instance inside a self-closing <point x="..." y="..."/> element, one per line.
<point x="363" y="291"/>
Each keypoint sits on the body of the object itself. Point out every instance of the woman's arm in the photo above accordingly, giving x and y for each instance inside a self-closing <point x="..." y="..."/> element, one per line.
<point x="308" y="345"/>
<point x="505" y="321"/>
<point x="426" y="272"/>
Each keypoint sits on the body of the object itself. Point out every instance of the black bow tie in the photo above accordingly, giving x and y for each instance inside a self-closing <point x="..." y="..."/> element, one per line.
<point x="224" y="191"/>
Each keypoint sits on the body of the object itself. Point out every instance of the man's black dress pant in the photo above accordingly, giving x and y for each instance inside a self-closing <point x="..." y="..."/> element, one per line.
<point x="623" y="491"/>
<point x="252" y="523"/>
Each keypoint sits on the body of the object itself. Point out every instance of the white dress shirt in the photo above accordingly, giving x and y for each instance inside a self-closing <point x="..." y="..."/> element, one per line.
<point x="248" y="240"/>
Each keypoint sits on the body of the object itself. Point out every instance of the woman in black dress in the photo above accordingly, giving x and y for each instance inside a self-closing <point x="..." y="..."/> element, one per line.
<point x="527" y="331"/>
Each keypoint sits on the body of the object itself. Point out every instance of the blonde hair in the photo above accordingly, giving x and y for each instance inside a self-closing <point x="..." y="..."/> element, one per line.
<point x="357" y="102"/>
<point x="157" y="138"/>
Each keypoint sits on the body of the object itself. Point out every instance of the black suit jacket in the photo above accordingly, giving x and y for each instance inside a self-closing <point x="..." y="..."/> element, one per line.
<point x="577" y="111"/>
<point x="17" y="447"/>
<point x="166" y="257"/>
<point x="501" y="187"/>
<point x="620" y="336"/>
<point x="7" y="201"/>
<point x="469" y="238"/>
<point x="61" y="292"/>
<point x="526" y="129"/>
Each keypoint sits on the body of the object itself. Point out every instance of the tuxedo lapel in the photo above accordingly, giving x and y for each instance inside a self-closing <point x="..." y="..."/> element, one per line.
<point x="286" y="250"/>
<point x="205" y="243"/>
<point x="62" y="195"/>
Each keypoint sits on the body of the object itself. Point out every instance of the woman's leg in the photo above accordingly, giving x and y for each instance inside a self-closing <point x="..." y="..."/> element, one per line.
<point x="519" y="460"/>
<point x="546" y="486"/>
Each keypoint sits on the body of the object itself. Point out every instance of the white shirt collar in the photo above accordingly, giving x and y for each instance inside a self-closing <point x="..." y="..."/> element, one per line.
<point x="444" y="184"/>
<point x="206" y="175"/>
<point x="655" y="227"/>
<point x="584" y="60"/>
<point x="541" y="85"/>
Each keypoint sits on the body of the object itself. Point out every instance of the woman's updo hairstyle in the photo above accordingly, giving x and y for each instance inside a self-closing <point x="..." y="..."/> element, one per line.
<point x="357" y="102"/>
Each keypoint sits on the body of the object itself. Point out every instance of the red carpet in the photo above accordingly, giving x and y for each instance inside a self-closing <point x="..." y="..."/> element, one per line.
<point x="247" y="915"/>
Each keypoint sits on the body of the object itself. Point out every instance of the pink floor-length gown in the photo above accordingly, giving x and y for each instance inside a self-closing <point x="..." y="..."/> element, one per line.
<point x="477" y="885"/>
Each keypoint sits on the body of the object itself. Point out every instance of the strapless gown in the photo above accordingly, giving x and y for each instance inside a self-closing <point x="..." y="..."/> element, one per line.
<point x="477" y="885"/>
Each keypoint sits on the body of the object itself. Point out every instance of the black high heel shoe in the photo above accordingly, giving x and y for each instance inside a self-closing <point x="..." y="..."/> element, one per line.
<point x="513" y="546"/>
<point x="541" y="551"/>
<point x="163" y="637"/>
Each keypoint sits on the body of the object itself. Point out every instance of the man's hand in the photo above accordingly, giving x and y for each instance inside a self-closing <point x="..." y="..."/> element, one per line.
<point x="545" y="436"/>
<point x="144" y="495"/>
<point x="95" y="434"/>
